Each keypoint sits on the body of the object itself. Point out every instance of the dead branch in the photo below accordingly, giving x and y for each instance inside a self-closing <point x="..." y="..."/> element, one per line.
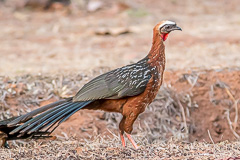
<point x="230" y="125"/>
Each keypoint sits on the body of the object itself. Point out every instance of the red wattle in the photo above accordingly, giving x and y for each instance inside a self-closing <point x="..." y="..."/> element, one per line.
<point x="164" y="36"/>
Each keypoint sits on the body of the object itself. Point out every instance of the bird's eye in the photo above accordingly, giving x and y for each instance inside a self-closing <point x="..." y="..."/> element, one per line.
<point x="167" y="27"/>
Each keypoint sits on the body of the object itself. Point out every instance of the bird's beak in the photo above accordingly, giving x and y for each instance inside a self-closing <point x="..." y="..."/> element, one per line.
<point x="176" y="28"/>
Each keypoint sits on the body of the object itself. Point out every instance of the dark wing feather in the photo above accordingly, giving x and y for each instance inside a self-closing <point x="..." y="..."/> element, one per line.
<point x="130" y="80"/>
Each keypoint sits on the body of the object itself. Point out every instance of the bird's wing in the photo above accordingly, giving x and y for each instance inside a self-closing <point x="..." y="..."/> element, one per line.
<point x="130" y="80"/>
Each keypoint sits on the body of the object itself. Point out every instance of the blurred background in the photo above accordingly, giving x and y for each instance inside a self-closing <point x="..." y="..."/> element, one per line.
<point x="59" y="36"/>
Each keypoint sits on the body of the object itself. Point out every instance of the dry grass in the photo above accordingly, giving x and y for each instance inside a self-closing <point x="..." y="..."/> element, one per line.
<point x="109" y="148"/>
<point x="29" y="91"/>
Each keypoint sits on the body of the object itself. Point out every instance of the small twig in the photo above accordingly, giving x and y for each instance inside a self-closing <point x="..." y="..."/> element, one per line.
<point x="65" y="135"/>
<point x="114" y="135"/>
<point x="235" y="106"/>
<point x="236" y="110"/>
<point x="183" y="114"/>
<point x="229" y="94"/>
<point x="192" y="80"/>
<point x="211" y="94"/>
<point x="230" y="125"/>
<point x="209" y="134"/>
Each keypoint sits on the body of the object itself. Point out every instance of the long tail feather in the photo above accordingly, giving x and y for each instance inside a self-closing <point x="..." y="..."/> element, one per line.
<point x="41" y="122"/>
<point x="33" y="120"/>
<point x="63" y="119"/>
<point x="27" y="116"/>
<point x="54" y="118"/>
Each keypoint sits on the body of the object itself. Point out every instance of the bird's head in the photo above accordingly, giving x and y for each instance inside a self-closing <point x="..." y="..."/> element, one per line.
<point x="165" y="27"/>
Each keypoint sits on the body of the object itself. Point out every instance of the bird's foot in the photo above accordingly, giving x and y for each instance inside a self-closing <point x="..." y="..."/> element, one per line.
<point x="130" y="139"/>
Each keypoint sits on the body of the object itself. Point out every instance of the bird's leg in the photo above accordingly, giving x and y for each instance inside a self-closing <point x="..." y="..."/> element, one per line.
<point x="122" y="139"/>
<point x="132" y="141"/>
<point x="122" y="131"/>
<point x="128" y="127"/>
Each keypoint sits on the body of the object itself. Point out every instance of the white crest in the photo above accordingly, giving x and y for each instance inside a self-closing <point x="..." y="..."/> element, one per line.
<point x="167" y="22"/>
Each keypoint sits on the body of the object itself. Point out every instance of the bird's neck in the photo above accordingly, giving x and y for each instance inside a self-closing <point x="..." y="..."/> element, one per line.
<point x="156" y="55"/>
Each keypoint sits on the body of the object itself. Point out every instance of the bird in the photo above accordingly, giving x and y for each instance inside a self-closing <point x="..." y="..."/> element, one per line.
<point x="127" y="90"/>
